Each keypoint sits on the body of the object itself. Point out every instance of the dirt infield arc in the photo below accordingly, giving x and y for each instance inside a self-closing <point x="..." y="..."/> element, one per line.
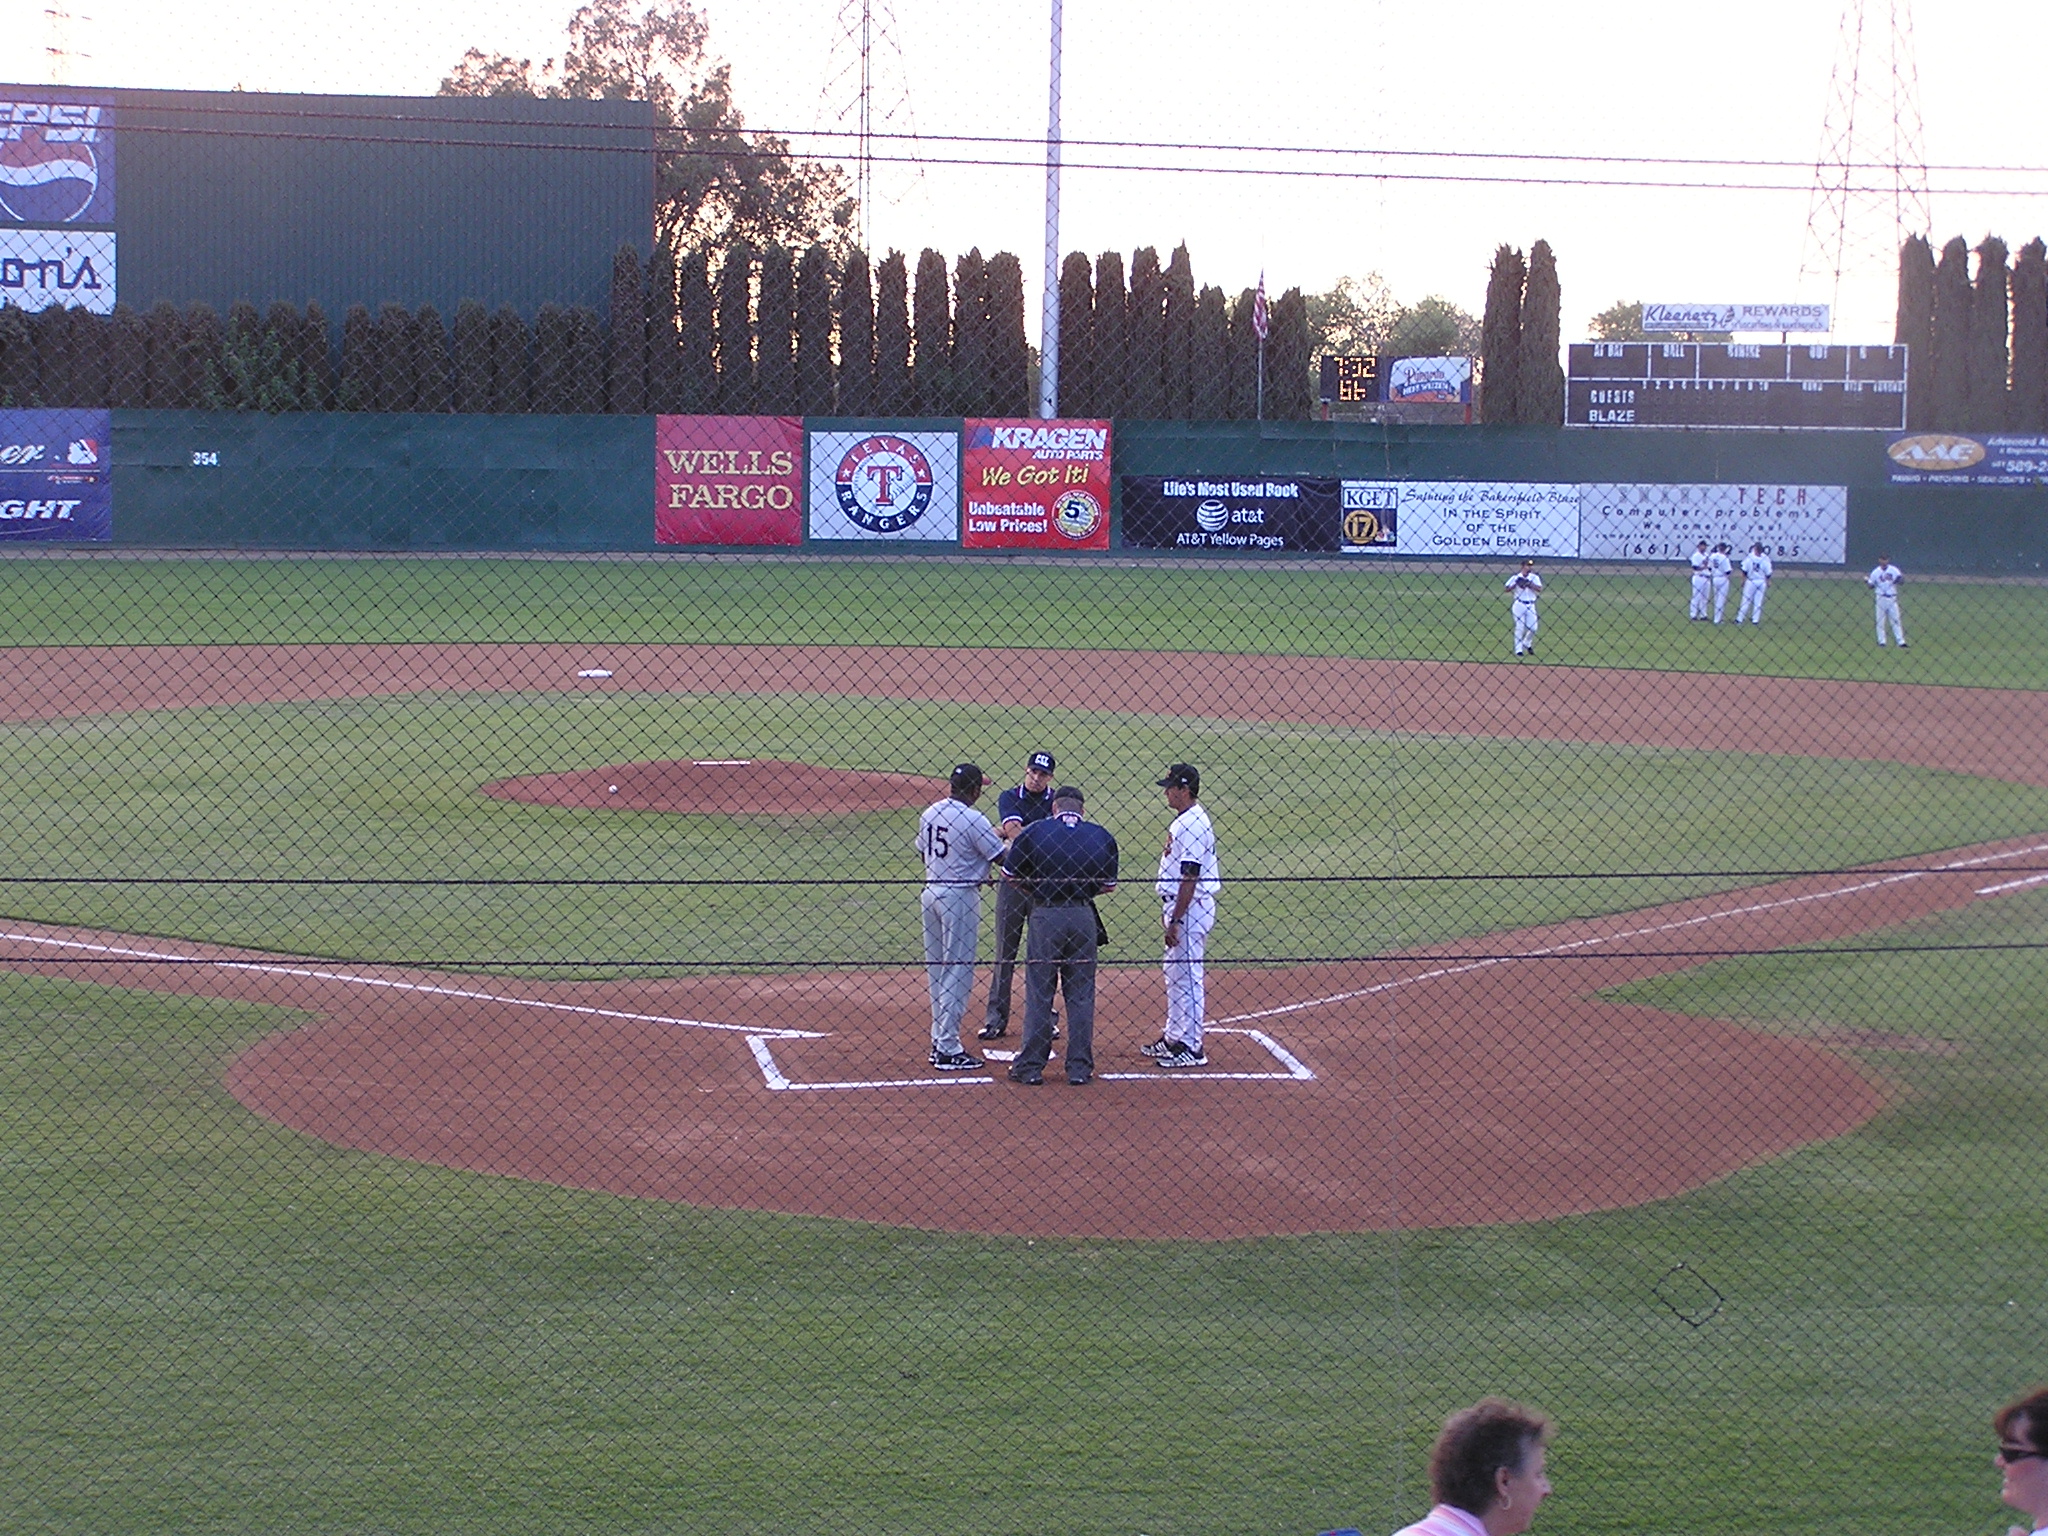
<point x="1472" y="1083"/>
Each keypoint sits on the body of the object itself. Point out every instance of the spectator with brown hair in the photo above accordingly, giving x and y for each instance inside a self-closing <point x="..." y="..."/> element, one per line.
<point x="2022" y="1456"/>
<point x="1486" y="1472"/>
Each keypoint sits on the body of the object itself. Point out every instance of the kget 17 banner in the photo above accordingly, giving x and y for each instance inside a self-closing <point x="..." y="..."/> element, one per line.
<point x="1036" y="484"/>
<point x="728" y="479"/>
<point x="1196" y="512"/>
<point x="54" y="480"/>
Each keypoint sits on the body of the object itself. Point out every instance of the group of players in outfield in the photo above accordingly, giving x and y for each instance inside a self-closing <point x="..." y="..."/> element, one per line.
<point x="1712" y="570"/>
<point x="1048" y="863"/>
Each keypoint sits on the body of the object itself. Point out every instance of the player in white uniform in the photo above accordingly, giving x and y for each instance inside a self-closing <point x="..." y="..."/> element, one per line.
<point x="957" y="845"/>
<point x="1884" y="581"/>
<point x="1756" y="580"/>
<point x="1188" y="882"/>
<point x="1702" y="584"/>
<point x="1719" y="569"/>
<point x="1525" y="584"/>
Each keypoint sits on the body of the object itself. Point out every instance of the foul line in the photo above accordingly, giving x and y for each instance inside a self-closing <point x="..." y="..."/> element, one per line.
<point x="1294" y="1070"/>
<point x="584" y="1010"/>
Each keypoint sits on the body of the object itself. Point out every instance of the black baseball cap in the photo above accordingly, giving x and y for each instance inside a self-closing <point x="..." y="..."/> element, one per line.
<point x="1183" y="776"/>
<point x="967" y="778"/>
<point x="1068" y="792"/>
<point x="1040" y="762"/>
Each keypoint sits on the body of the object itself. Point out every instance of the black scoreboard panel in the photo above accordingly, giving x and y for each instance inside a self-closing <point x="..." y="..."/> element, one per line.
<point x="1704" y="384"/>
<point x="1350" y="380"/>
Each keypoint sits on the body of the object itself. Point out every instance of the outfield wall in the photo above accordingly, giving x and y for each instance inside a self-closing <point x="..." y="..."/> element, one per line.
<point x="197" y="479"/>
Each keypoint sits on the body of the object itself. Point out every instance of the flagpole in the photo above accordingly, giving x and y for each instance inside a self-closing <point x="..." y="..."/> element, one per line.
<point x="1049" y="308"/>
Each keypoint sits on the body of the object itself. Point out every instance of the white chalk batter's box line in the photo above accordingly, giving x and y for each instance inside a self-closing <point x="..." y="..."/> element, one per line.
<point x="1291" y="1070"/>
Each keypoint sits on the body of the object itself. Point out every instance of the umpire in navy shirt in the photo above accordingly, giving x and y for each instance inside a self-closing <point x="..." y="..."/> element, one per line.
<point x="1016" y="809"/>
<point x="1064" y="863"/>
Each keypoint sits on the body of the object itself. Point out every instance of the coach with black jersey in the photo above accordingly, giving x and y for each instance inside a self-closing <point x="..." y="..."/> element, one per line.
<point x="1026" y="805"/>
<point x="1064" y="863"/>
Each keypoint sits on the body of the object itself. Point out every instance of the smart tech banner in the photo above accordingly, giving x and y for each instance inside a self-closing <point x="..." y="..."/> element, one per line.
<point x="1036" y="484"/>
<point x="880" y="484"/>
<point x="1162" y="512"/>
<point x="54" y="481"/>
<point x="728" y="479"/>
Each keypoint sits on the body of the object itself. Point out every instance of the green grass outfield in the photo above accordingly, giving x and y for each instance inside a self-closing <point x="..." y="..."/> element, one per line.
<point x="1975" y="633"/>
<point x="209" y="1323"/>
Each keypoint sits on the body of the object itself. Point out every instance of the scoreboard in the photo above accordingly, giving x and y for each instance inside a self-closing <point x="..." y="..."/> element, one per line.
<point x="1350" y="380"/>
<point x="1701" y="384"/>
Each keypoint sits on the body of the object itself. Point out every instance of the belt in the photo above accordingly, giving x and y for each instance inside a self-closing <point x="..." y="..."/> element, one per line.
<point x="1080" y="903"/>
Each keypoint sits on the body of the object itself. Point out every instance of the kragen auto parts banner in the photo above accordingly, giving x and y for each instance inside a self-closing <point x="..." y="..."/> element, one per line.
<point x="1166" y="512"/>
<point x="728" y="479"/>
<point x="54" y="482"/>
<point x="1036" y="484"/>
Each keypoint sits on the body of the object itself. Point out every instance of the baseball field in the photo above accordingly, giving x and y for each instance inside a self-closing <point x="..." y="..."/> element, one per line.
<point x="406" y="1133"/>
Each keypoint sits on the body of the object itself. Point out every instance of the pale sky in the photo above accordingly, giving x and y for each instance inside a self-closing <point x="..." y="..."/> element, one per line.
<point x="1745" y="79"/>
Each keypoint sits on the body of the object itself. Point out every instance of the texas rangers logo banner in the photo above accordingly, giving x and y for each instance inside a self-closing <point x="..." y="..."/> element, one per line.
<point x="884" y="484"/>
<point x="54" y="480"/>
<point x="1205" y="512"/>
<point x="1036" y="484"/>
<point x="56" y="161"/>
<point x="728" y="479"/>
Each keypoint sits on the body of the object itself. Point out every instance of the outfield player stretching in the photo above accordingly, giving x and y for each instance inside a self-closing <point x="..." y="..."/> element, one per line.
<point x="1016" y="809"/>
<point x="958" y="846"/>
<point x="1884" y="581"/>
<point x="1187" y="887"/>
<point x="1702" y="583"/>
<point x="1756" y="580"/>
<point x="1525" y="584"/>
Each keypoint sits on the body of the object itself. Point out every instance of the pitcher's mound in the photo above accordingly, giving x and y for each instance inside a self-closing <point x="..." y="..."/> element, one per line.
<point x="724" y="787"/>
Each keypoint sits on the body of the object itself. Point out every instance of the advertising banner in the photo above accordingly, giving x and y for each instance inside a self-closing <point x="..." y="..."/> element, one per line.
<point x="728" y="479"/>
<point x="54" y="481"/>
<point x="1428" y="380"/>
<point x="1949" y="458"/>
<point x="881" y="484"/>
<point x="1372" y="514"/>
<point x="1735" y="317"/>
<point x="71" y="267"/>
<point x="1296" y="513"/>
<point x="1808" y="523"/>
<point x="1468" y="517"/>
<point x="56" y="160"/>
<point x="1036" y="484"/>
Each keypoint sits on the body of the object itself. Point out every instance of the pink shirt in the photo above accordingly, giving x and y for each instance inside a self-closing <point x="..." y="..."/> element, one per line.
<point x="1445" y="1520"/>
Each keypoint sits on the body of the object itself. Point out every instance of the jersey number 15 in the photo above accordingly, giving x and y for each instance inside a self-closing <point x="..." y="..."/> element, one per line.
<point x="935" y="844"/>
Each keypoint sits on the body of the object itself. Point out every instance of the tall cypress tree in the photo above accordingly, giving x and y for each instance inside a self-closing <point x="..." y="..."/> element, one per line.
<point x="1077" y="337"/>
<point x="433" y="367"/>
<point x="1540" y="391"/>
<point x="1009" y="350"/>
<point x="316" y="359"/>
<point x="775" y="334"/>
<point x="1112" y="342"/>
<point x="166" y="330"/>
<point x="1915" y="330"/>
<point x="128" y="359"/>
<point x="736" y="332"/>
<point x="1243" y="344"/>
<point x="698" y="361"/>
<point x="1209" y="366"/>
<point x="625" y="372"/>
<point x="1952" y="338"/>
<point x="1145" y="355"/>
<point x="200" y="357"/>
<point x="932" y="309"/>
<point x="664" y="355"/>
<point x="511" y="363"/>
<point x="51" y="327"/>
<point x="970" y="360"/>
<point x="393" y="376"/>
<point x="586" y="361"/>
<point x="814" y="392"/>
<point x="91" y="361"/>
<point x="281" y="325"/>
<point x="472" y="357"/>
<point x="1990" y="325"/>
<point x="893" y="382"/>
<point x="1177" y="399"/>
<point x="1500" y="339"/>
<point x="356" y="389"/>
<point x="17" y="357"/>
<point x="550" y="360"/>
<point x="2030" y="338"/>
<point x="1288" y="392"/>
<point x="856" y="395"/>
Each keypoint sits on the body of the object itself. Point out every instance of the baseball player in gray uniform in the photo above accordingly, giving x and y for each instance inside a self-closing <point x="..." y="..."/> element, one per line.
<point x="1884" y="581"/>
<point x="1719" y="569"/>
<point x="1702" y="583"/>
<point x="1187" y="886"/>
<point x="1756" y="581"/>
<point x="958" y="846"/>
<point x="1524" y="586"/>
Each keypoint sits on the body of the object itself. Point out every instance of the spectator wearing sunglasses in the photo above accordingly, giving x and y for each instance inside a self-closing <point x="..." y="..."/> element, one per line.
<point x="2022" y="1427"/>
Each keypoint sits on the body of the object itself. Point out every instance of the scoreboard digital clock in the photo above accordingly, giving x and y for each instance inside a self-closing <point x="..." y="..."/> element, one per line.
<point x="1700" y="384"/>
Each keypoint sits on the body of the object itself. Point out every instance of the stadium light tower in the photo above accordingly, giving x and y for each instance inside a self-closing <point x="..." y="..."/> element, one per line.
<point x="1870" y="178"/>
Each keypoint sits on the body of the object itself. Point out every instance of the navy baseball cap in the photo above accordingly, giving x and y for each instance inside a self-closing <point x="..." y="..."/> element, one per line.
<point x="1068" y="792"/>
<point x="1040" y="762"/>
<point x="1183" y="776"/>
<point x="967" y="778"/>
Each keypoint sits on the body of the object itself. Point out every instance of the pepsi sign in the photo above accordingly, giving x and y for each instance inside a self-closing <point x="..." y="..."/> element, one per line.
<point x="56" y="163"/>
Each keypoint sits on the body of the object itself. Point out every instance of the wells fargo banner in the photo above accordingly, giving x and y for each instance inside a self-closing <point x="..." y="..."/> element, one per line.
<point x="1035" y="484"/>
<point x="728" y="479"/>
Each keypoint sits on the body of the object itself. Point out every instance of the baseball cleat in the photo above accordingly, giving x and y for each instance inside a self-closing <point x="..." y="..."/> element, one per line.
<point x="1030" y="1077"/>
<point x="955" y="1061"/>
<point x="1080" y="1079"/>
<point x="992" y="1031"/>
<point x="1182" y="1056"/>
<point x="1157" y="1049"/>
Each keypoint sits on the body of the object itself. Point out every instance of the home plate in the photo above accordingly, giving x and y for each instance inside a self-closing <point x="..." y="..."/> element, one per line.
<point x="595" y="672"/>
<point x="718" y="762"/>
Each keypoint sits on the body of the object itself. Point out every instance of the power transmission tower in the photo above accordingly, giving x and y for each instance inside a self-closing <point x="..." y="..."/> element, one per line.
<point x="1870" y="179"/>
<point x="61" y="48"/>
<point x="866" y="92"/>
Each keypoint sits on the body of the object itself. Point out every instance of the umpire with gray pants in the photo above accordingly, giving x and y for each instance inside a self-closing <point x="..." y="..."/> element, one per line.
<point x="1064" y="863"/>
<point x="1016" y="809"/>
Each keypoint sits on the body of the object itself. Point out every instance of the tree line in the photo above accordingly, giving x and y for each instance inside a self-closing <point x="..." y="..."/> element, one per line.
<point x="1521" y="380"/>
<point x="1977" y="348"/>
<point x="742" y="332"/>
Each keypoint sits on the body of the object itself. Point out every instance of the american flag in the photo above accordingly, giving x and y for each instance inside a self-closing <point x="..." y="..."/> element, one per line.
<point x="1260" y="324"/>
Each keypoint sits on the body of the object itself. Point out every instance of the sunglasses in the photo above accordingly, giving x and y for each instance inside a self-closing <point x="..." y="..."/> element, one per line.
<point x="2011" y="1454"/>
